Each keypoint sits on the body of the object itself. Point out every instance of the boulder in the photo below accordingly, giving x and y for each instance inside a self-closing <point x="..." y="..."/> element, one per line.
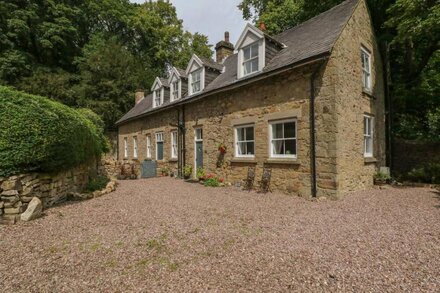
<point x="33" y="211"/>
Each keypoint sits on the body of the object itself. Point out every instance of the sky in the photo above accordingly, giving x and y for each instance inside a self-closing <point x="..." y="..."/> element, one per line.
<point x="210" y="17"/>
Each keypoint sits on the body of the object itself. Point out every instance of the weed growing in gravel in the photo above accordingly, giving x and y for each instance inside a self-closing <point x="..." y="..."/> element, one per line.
<point x="95" y="246"/>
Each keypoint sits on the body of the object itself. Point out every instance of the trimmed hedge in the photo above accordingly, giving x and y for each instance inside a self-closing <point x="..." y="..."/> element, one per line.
<point x="38" y="134"/>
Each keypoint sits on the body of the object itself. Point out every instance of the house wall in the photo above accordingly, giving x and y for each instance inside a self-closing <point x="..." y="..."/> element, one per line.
<point x="284" y="96"/>
<point x="160" y="122"/>
<point x="355" y="172"/>
<point x="339" y="109"/>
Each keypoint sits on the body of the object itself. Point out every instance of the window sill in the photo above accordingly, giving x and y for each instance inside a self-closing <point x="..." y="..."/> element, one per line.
<point x="282" y="161"/>
<point x="369" y="160"/>
<point x="173" y="160"/>
<point x="244" y="160"/>
<point x="368" y="93"/>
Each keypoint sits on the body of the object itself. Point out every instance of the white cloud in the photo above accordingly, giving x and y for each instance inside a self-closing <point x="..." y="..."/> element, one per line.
<point x="210" y="17"/>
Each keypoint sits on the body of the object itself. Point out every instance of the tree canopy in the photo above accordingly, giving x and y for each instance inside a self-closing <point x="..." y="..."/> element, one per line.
<point x="408" y="32"/>
<point x="92" y="53"/>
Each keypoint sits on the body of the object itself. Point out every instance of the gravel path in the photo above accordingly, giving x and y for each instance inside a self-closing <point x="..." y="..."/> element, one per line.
<point x="166" y="235"/>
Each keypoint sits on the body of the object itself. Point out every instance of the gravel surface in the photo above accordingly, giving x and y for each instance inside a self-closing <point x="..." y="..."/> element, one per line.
<point x="166" y="235"/>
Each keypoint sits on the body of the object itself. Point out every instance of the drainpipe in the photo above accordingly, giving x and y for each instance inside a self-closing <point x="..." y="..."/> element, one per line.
<point x="313" y="130"/>
<point x="179" y="158"/>
<point x="183" y="138"/>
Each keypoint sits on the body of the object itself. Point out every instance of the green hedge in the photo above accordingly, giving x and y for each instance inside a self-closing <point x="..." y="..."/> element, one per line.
<point x="38" y="134"/>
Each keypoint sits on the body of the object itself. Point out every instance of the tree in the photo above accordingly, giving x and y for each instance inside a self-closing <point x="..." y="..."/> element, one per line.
<point x="92" y="53"/>
<point x="408" y="32"/>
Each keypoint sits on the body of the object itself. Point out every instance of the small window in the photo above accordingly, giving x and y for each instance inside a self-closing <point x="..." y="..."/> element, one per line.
<point x="159" y="146"/>
<point x="174" y="144"/>
<point x="175" y="93"/>
<point x="135" y="147"/>
<point x="244" y="141"/>
<point x="368" y="136"/>
<point x="196" y="81"/>
<point x="157" y="98"/>
<point x="148" y="146"/>
<point x="199" y="134"/>
<point x="366" y="69"/>
<point x="125" y="148"/>
<point x="250" y="59"/>
<point x="283" y="139"/>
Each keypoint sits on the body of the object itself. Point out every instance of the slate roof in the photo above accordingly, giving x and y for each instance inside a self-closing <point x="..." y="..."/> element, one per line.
<point x="313" y="38"/>
<point x="164" y="82"/>
<point x="211" y="63"/>
<point x="182" y="73"/>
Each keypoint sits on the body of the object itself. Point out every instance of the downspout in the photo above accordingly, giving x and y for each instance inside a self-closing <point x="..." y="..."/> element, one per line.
<point x="183" y="138"/>
<point x="117" y="146"/>
<point x="313" y="130"/>
<point x="179" y="147"/>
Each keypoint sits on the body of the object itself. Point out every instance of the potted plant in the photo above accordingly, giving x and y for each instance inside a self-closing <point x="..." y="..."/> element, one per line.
<point x="381" y="178"/>
<point x="200" y="174"/>
<point x="187" y="171"/>
<point x="222" y="149"/>
<point x="164" y="171"/>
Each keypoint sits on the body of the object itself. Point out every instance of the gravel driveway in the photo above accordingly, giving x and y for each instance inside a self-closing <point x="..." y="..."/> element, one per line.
<point x="166" y="235"/>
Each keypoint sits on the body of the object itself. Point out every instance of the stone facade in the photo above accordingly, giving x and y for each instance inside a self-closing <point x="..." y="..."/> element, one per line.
<point x="339" y="112"/>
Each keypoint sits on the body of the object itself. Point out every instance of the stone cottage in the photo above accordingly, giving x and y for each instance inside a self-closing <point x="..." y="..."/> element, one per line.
<point x="307" y="103"/>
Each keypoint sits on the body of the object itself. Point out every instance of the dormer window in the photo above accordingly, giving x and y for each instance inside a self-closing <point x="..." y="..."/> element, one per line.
<point x="158" y="90"/>
<point x="250" y="58"/>
<point x="175" y="90"/>
<point x="251" y="51"/>
<point x="196" y="81"/>
<point x="157" y="98"/>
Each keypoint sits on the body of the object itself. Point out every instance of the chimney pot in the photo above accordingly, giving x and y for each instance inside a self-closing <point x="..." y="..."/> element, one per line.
<point x="224" y="49"/>
<point x="262" y="26"/>
<point x="138" y="96"/>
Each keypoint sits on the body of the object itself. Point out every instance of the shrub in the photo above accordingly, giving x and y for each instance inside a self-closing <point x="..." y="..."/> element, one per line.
<point x="200" y="173"/>
<point x="429" y="173"/>
<point x="212" y="181"/>
<point x="187" y="171"/>
<point x="97" y="183"/>
<point x="38" y="134"/>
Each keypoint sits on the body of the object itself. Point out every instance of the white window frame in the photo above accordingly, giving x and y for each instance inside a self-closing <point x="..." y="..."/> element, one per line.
<point x="135" y="147"/>
<point x="236" y="128"/>
<point x="125" y="147"/>
<point x="366" y="68"/>
<point x="149" y="146"/>
<point x="159" y="138"/>
<point x="175" y="92"/>
<point x="199" y="71"/>
<point x="271" y="139"/>
<point x="368" y="135"/>
<point x="251" y="59"/>
<point x="196" y="132"/>
<point x="157" y="99"/>
<point x="174" y="144"/>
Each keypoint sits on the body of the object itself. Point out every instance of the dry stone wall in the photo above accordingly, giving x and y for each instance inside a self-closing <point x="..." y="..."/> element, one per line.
<point x="17" y="191"/>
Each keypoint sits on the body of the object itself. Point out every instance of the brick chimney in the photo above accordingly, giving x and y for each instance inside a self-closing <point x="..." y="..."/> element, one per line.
<point x="138" y="96"/>
<point x="224" y="49"/>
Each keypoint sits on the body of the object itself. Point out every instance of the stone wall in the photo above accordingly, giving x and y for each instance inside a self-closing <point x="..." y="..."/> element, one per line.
<point x="408" y="155"/>
<point x="17" y="191"/>
<point x="352" y="102"/>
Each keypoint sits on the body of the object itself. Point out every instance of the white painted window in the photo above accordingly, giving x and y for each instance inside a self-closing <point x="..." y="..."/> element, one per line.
<point x="368" y="136"/>
<point x="196" y="82"/>
<point x="125" y="148"/>
<point x="250" y="59"/>
<point x="244" y="141"/>
<point x="135" y="147"/>
<point x="366" y="69"/>
<point x="148" y="146"/>
<point x="159" y="146"/>
<point x="174" y="144"/>
<point x="283" y="139"/>
<point x="199" y="134"/>
<point x="157" y="97"/>
<point x="175" y="90"/>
